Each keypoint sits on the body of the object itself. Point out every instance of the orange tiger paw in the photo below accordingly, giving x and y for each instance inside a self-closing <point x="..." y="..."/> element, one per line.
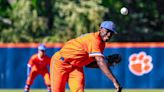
<point x="140" y="64"/>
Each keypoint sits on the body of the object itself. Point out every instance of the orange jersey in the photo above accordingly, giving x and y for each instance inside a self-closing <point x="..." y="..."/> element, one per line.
<point x="79" y="51"/>
<point x="38" y="63"/>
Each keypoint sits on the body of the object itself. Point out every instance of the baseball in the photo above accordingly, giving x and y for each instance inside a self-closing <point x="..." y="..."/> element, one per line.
<point x="124" y="11"/>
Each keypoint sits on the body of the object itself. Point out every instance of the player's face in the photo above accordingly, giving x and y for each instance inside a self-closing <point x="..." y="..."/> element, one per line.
<point x="105" y="34"/>
<point x="41" y="53"/>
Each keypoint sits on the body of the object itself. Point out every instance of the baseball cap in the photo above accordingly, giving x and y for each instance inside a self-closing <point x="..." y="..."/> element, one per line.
<point x="109" y="25"/>
<point x="42" y="47"/>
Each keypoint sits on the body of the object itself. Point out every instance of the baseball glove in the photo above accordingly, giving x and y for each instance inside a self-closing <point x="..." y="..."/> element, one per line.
<point x="111" y="60"/>
<point x="92" y="65"/>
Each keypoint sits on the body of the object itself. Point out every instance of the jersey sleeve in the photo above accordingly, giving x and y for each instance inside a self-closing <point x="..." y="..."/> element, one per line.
<point x="31" y="61"/>
<point x="96" y="48"/>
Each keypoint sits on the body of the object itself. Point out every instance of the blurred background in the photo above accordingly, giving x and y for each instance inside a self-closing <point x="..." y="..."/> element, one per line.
<point x="31" y="22"/>
<point x="51" y="20"/>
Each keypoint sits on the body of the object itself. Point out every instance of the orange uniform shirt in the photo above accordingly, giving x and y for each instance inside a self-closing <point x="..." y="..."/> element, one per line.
<point x="39" y="64"/>
<point x="79" y="51"/>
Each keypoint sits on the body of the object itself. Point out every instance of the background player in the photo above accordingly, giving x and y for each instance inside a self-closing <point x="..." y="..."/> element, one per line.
<point x="38" y="64"/>
<point x="67" y="64"/>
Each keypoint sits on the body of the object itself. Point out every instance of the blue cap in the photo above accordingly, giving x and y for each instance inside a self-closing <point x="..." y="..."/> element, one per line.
<point x="42" y="47"/>
<point x="109" y="25"/>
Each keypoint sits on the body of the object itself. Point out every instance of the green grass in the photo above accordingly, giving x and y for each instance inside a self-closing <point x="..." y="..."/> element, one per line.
<point x="88" y="90"/>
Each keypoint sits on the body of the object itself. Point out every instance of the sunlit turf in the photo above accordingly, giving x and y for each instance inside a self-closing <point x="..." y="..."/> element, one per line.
<point x="88" y="90"/>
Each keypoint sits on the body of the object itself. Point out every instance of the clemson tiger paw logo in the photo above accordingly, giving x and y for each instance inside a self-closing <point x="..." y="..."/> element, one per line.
<point x="140" y="63"/>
